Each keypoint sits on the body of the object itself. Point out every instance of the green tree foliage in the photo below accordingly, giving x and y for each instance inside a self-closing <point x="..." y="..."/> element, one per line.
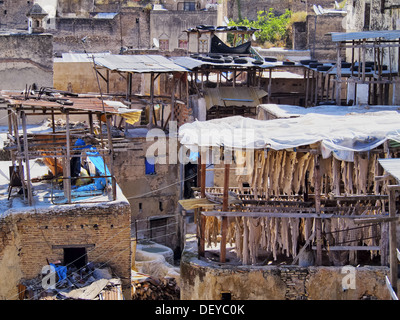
<point x="272" y="29"/>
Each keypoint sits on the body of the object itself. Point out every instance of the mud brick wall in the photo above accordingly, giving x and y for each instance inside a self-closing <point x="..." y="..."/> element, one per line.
<point x="29" y="238"/>
<point x="202" y="280"/>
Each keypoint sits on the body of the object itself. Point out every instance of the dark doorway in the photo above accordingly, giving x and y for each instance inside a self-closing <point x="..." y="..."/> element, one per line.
<point x="190" y="180"/>
<point x="158" y="230"/>
<point x="75" y="256"/>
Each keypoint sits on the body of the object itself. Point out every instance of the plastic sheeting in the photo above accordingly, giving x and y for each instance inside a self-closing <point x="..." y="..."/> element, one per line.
<point x="101" y="168"/>
<point x="339" y="135"/>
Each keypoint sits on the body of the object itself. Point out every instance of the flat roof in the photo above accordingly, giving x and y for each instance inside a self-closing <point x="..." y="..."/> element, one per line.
<point x="347" y="36"/>
<point x="138" y="63"/>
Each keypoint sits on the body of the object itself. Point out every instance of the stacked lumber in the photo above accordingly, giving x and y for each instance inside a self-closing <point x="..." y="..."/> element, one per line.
<point x="146" y="287"/>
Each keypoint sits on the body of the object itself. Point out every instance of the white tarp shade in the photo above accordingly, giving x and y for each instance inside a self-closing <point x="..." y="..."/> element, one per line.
<point x="338" y="135"/>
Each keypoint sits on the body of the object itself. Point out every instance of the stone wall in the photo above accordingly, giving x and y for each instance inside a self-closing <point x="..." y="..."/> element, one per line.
<point x="128" y="29"/>
<point x="169" y="25"/>
<point x="13" y="14"/>
<point x="202" y="280"/>
<point x="388" y="19"/>
<point x="30" y="237"/>
<point x="320" y="41"/>
<point x="249" y="8"/>
<point x="25" y="59"/>
<point x="150" y="196"/>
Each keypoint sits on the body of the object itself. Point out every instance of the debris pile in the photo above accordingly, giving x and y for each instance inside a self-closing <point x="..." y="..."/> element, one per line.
<point x="146" y="287"/>
<point x="91" y="282"/>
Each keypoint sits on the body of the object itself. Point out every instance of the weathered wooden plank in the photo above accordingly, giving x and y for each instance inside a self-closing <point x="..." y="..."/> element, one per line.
<point x="350" y="248"/>
<point x="264" y="214"/>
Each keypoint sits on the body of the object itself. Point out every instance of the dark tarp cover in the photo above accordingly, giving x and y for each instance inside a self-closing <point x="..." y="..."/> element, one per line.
<point x="218" y="46"/>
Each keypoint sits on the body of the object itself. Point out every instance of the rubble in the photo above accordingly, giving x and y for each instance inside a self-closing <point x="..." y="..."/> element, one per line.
<point x="92" y="282"/>
<point x="146" y="287"/>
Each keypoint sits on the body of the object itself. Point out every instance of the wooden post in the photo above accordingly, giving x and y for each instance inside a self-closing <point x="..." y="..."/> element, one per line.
<point x="224" y="224"/>
<point x="173" y="98"/>
<point x="338" y="76"/>
<point x="317" y="194"/>
<point x="110" y="146"/>
<point x="151" y="99"/>
<point x="19" y="148"/>
<point x="67" y="166"/>
<point x="336" y="176"/>
<point x="392" y="237"/>
<point x="270" y="85"/>
<point x="26" y="154"/>
<point x="307" y="78"/>
<point x="202" y="244"/>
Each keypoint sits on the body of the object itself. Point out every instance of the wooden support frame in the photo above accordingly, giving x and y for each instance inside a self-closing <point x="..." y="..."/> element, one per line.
<point x="224" y="224"/>
<point x="392" y="237"/>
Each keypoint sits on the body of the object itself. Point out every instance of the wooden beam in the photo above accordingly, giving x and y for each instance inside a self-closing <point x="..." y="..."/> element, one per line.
<point x="110" y="146"/>
<point x="26" y="150"/>
<point x="350" y="248"/>
<point x="224" y="224"/>
<point x="202" y="218"/>
<point x="375" y="219"/>
<point x="226" y="214"/>
<point x="392" y="240"/>
<point x="67" y="166"/>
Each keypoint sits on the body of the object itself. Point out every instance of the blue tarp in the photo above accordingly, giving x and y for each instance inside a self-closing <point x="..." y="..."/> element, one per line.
<point x="61" y="271"/>
<point x="101" y="169"/>
<point x="150" y="167"/>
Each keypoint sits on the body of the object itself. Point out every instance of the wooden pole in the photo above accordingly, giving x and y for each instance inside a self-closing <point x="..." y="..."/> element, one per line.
<point x="318" y="222"/>
<point x="110" y="146"/>
<point x="173" y="98"/>
<point x="338" y="76"/>
<point x="224" y="224"/>
<point x="19" y="148"/>
<point x="202" y="217"/>
<point x="392" y="237"/>
<point x="67" y="166"/>
<point x="26" y="154"/>
<point x="151" y="99"/>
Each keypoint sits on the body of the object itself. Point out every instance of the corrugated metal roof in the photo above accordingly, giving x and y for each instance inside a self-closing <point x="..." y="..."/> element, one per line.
<point x="139" y="63"/>
<point x="346" y="36"/>
<point x="391" y="166"/>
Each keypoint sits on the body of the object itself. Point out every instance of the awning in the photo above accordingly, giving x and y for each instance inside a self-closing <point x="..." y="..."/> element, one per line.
<point x="291" y="111"/>
<point x="348" y="36"/>
<point x="391" y="166"/>
<point x="138" y="63"/>
<point x="338" y="135"/>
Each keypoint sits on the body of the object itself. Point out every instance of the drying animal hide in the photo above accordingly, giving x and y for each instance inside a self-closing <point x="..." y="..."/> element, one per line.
<point x="281" y="175"/>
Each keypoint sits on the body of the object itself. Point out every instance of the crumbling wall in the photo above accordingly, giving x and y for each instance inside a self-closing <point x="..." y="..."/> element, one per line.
<point x="150" y="195"/>
<point x="40" y="234"/>
<point x="201" y="280"/>
<point x="13" y="14"/>
<point x="26" y="59"/>
<point x="319" y="40"/>
<point x="127" y="29"/>
<point x="10" y="257"/>
<point x="169" y="25"/>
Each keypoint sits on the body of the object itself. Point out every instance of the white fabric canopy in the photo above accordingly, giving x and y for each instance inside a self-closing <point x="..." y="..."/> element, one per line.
<point x="339" y="135"/>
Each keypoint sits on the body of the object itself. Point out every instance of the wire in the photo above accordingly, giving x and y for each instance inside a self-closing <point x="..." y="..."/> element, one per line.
<point x="72" y="262"/>
<point x="159" y="189"/>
